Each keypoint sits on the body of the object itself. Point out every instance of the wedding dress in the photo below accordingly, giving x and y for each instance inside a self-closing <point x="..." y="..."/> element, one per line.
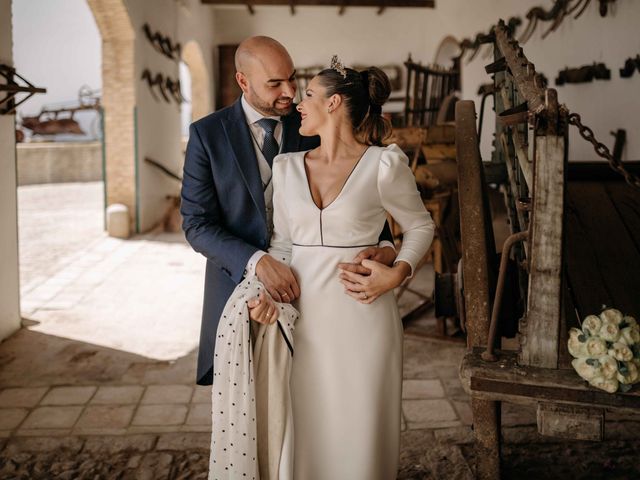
<point x="346" y="379"/>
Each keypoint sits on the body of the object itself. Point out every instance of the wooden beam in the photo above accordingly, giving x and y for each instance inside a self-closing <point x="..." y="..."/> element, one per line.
<point x="328" y="3"/>
<point x="506" y="380"/>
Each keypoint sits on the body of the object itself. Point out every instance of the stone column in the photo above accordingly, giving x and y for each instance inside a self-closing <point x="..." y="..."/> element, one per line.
<point x="118" y="100"/>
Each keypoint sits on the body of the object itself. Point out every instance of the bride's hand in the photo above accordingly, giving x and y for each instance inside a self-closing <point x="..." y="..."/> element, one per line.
<point x="367" y="288"/>
<point x="263" y="309"/>
<point x="385" y="255"/>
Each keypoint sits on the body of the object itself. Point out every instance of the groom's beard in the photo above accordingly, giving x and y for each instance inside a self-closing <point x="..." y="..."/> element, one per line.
<point x="270" y="109"/>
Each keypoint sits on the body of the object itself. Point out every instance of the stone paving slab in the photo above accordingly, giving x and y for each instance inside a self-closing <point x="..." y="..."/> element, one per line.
<point x="10" y="418"/>
<point x="68" y="396"/>
<point x="53" y="417"/>
<point x="21" y="397"/>
<point x="161" y="415"/>
<point x="156" y="394"/>
<point x="105" y="416"/>
<point x="118" y="395"/>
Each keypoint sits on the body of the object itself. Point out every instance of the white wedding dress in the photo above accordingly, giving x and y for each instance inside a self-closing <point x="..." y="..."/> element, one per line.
<point x="346" y="382"/>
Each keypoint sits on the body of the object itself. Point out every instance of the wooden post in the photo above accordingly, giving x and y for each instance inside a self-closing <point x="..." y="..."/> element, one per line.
<point x="540" y="330"/>
<point x="475" y="260"/>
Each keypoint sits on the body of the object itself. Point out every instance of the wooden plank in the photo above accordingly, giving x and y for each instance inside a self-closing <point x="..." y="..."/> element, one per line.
<point x="473" y="225"/>
<point x="586" y="284"/>
<point x="328" y="3"/>
<point x="570" y="421"/>
<point x="626" y="201"/>
<point x="539" y="335"/>
<point x="603" y="257"/>
<point x="506" y="380"/>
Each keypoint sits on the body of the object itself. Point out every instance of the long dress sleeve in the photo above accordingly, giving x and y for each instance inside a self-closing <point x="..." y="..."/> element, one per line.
<point x="401" y="199"/>
<point x="280" y="247"/>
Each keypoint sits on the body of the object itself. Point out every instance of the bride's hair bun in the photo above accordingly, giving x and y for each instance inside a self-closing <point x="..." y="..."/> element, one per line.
<point x="363" y="94"/>
<point x="375" y="128"/>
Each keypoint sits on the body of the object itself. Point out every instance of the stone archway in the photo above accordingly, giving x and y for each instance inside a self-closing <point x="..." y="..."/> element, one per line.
<point x="200" y="83"/>
<point x="118" y="101"/>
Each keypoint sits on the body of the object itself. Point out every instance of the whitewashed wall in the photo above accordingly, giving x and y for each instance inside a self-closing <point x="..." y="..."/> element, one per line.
<point x="158" y="122"/>
<point x="360" y="35"/>
<point x="9" y="278"/>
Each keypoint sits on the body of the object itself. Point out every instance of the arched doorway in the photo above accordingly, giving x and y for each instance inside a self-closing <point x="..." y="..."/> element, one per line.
<point x="200" y="83"/>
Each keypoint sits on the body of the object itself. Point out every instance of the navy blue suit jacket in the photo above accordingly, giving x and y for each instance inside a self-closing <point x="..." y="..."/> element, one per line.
<point x="223" y="208"/>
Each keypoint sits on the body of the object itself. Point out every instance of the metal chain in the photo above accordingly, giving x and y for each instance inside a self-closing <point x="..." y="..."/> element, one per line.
<point x="603" y="151"/>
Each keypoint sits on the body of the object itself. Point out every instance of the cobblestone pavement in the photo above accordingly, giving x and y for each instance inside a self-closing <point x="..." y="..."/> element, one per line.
<point x="100" y="381"/>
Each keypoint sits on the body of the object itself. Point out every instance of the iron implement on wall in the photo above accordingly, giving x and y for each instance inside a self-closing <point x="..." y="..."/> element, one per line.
<point x="584" y="74"/>
<point x="12" y="88"/>
<point x="168" y="88"/>
<point x="162" y="43"/>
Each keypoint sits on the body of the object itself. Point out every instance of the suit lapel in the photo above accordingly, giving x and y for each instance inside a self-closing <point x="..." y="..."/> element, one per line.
<point x="239" y="137"/>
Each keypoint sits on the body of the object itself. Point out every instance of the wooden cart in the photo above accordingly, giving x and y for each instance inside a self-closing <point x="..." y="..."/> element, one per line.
<point x="575" y="245"/>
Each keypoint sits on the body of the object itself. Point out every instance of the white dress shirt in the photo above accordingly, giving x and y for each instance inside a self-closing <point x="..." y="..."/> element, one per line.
<point x="257" y="134"/>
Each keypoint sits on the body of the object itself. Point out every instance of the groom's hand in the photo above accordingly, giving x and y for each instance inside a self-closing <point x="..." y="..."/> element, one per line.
<point x="278" y="279"/>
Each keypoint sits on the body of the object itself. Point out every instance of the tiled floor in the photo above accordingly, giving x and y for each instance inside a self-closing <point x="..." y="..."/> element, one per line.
<point x="105" y="364"/>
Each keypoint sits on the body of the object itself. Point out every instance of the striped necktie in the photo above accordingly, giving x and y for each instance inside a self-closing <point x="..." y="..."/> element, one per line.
<point x="270" y="147"/>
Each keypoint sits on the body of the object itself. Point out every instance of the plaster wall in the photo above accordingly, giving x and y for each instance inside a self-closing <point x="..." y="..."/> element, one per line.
<point x="157" y="123"/>
<point x="9" y="278"/>
<point x="314" y="34"/>
<point x="58" y="162"/>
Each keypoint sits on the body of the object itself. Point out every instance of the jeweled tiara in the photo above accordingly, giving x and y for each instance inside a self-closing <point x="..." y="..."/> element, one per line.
<point x="336" y="64"/>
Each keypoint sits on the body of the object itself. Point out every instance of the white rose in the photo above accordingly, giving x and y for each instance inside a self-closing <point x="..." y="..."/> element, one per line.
<point x="629" y="335"/>
<point x="631" y="376"/>
<point x="608" y="385"/>
<point x="577" y="348"/>
<point x="609" y="366"/>
<point x="596" y="347"/>
<point x="612" y="316"/>
<point x="630" y="321"/>
<point x="621" y="352"/>
<point x="609" y="332"/>
<point x="591" y="325"/>
<point x="585" y="370"/>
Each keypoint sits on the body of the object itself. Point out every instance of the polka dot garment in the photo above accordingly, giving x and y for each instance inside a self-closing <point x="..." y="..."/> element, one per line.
<point x="252" y="427"/>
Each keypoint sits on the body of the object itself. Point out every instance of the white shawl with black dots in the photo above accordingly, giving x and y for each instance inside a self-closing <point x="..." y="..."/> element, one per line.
<point x="252" y="431"/>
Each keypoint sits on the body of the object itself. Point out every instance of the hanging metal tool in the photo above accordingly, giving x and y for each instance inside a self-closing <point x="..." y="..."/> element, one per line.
<point x="13" y="87"/>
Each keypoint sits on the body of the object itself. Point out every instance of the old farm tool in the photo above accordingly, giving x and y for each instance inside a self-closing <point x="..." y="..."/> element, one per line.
<point x="59" y="119"/>
<point x="555" y="15"/>
<point x="556" y="266"/>
<point x="13" y="85"/>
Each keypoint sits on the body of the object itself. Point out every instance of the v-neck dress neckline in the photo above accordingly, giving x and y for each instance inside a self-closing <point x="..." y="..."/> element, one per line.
<point x="306" y="176"/>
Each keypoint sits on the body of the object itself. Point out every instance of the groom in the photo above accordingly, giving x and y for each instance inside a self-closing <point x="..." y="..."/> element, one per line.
<point x="227" y="191"/>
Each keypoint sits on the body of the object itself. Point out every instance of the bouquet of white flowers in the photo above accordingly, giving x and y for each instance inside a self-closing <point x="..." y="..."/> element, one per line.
<point x="607" y="350"/>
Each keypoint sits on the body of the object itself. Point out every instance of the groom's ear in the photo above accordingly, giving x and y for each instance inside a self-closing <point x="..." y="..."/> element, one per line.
<point x="243" y="83"/>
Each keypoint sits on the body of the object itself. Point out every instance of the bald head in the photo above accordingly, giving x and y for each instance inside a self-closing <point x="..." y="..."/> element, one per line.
<point x="265" y="73"/>
<point x="259" y="51"/>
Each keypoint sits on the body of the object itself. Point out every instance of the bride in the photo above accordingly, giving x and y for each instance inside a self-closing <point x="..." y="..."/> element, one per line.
<point x="329" y="203"/>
